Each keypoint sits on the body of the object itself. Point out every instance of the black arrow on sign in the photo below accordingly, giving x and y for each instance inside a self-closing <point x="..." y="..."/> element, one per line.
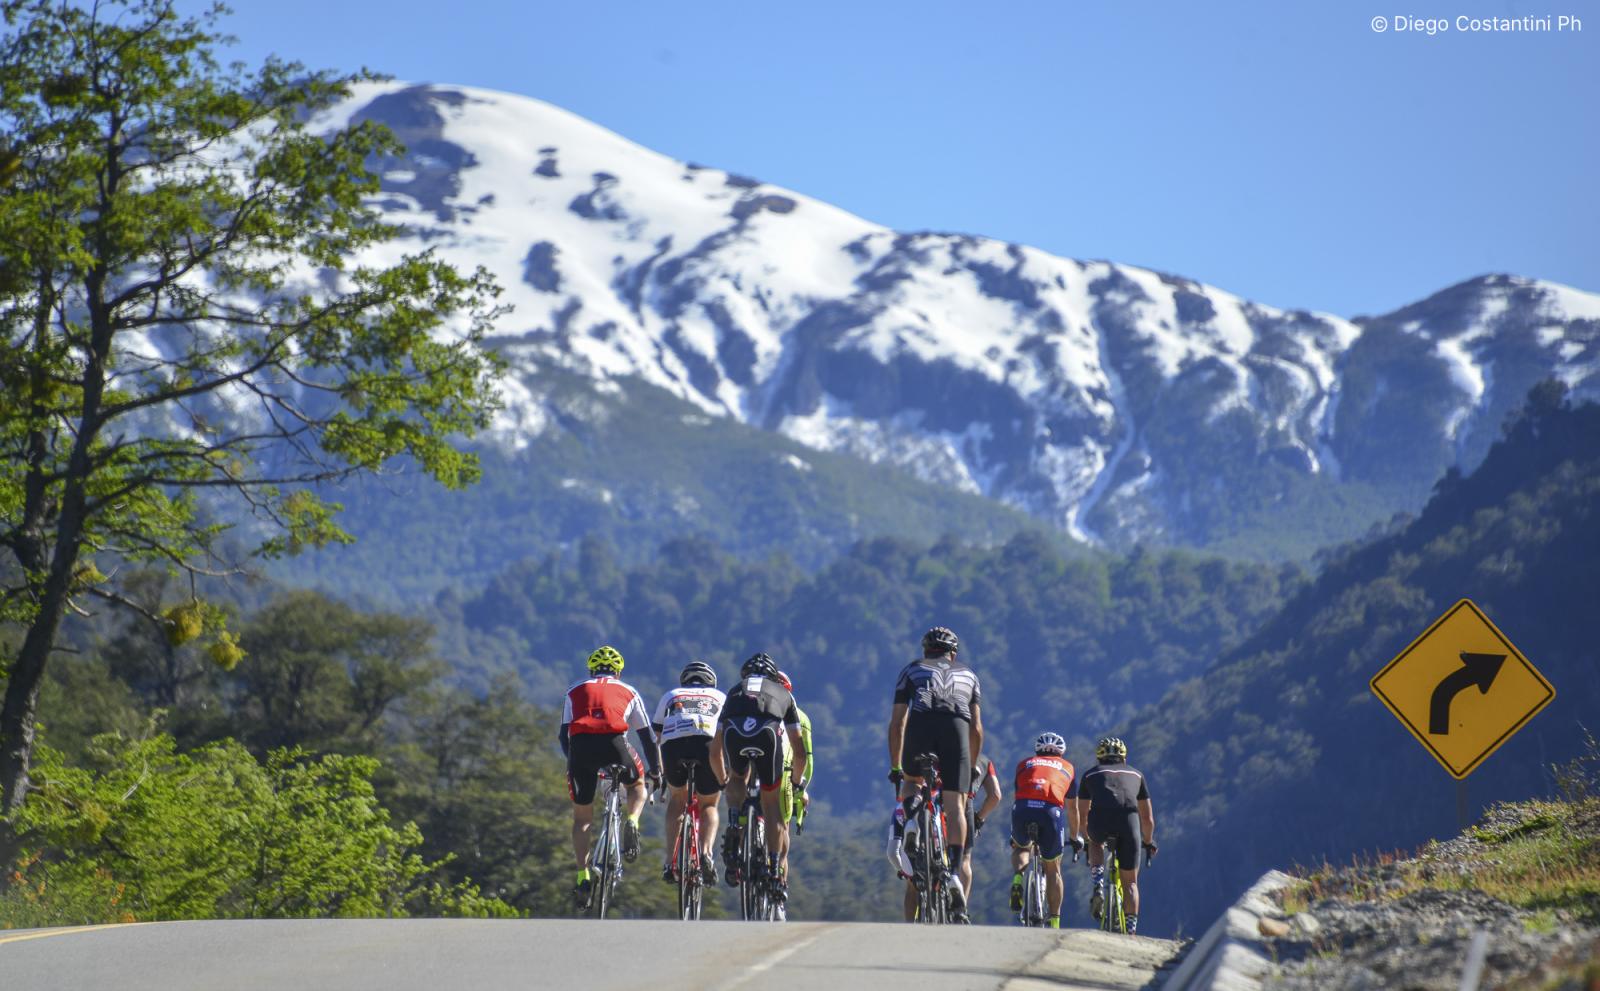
<point x="1476" y="669"/>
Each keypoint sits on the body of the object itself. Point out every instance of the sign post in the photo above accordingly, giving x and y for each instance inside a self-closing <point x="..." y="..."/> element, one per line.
<point x="1462" y="689"/>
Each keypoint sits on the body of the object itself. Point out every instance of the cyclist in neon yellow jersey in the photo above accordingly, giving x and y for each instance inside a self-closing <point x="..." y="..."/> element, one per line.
<point x="791" y="799"/>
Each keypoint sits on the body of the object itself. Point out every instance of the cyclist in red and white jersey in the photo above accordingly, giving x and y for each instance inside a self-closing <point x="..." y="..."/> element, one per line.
<point x="685" y="721"/>
<point x="595" y="718"/>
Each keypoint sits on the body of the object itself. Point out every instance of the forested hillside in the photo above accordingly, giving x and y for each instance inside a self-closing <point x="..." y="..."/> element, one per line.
<point x="459" y="716"/>
<point x="1280" y="754"/>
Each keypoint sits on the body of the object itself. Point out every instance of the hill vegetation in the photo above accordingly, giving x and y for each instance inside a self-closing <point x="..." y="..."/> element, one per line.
<point x="1281" y="755"/>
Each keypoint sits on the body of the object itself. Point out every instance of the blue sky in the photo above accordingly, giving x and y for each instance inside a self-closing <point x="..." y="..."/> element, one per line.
<point x="1283" y="151"/>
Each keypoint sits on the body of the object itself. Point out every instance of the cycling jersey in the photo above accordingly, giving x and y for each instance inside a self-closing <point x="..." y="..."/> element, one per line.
<point x="1112" y="788"/>
<point x="786" y="799"/>
<point x="688" y="710"/>
<point x="756" y="700"/>
<point x="1045" y="778"/>
<point x="602" y="704"/>
<point x="938" y="685"/>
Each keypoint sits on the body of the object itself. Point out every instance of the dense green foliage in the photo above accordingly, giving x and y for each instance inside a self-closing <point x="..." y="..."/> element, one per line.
<point x="1282" y="755"/>
<point x="147" y="833"/>
<point x="1068" y="642"/>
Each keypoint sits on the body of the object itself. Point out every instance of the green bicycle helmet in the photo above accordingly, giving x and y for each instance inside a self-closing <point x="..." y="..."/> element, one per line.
<point x="605" y="658"/>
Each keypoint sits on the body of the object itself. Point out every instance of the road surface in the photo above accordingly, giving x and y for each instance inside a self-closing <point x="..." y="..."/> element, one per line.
<point x="429" y="954"/>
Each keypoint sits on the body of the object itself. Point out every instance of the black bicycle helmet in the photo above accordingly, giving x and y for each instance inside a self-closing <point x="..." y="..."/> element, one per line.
<point x="940" y="640"/>
<point x="759" y="664"/>
<point x="698" y="673"/>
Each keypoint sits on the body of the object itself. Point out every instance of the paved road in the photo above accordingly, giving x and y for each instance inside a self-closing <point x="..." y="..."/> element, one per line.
<point x="429" y="954"/>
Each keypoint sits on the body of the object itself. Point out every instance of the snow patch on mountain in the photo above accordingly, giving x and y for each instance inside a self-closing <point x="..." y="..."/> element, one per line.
<point x="1071" y="389"/>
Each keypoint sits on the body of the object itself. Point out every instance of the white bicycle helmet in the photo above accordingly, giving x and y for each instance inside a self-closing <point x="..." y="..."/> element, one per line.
<point x="1049" y="743"/>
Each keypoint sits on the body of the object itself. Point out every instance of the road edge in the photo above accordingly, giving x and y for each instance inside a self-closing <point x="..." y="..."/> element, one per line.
<point x="1230" y="955"/>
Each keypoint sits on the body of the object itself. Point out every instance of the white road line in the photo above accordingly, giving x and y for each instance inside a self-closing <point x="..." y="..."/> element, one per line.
<point x="772" y="960"/>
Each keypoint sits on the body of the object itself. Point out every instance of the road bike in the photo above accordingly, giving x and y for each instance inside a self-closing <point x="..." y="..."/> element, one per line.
<point x="605" y="854"/>
<point x="1113" y="914"/>
<point x="1033" y="911"/>
<point x="925" y="845"/>
<point x="756" y="897"/>
<point x="686" y="858"/>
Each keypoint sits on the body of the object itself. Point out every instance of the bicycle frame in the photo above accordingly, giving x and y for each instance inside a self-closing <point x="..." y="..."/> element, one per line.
<point x="605" y="854"/>
<point x="929" y="865"/>
<point x="1113" y="918"/>
<point x="755" y="902"/>
<point x="686" y="858"/>
<point x="1033" y="911"/>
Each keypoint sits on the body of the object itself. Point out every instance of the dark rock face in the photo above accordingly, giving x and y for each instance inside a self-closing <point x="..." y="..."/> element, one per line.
<point x="539" y="267"/>
<point x="436" y="164"/>
<point x="599" y="203"/>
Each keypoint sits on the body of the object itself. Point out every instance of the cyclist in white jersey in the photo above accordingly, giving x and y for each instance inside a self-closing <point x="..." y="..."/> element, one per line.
<point x="685" y="721"/>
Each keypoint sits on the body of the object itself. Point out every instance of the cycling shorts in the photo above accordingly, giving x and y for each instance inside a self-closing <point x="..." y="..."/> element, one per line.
<point x="761" y="746"/>
<point x="590" y="753"/>
<point x="1125" y="827"/>
<point x="945" y="736"/>
<point x="1047" y="818"/>
<point x="686" y="748"/>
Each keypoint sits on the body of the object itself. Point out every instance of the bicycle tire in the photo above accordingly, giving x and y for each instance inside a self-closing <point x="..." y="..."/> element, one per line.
<point x="1116" y="921"/>
<point x="600" y="873"/>
<point x="688" y="866"/>
<point x="1033" y="892"/>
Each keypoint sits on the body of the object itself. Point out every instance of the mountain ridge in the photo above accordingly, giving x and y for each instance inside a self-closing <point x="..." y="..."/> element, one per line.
<point x="1108" y="400"/>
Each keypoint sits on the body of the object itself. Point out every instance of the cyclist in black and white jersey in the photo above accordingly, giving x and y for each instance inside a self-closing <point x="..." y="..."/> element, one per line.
<point x="685" y="721"/>
<point x="937" y="710"/>
<point x="1114" y="800"/>
<point x="758" y="714"/>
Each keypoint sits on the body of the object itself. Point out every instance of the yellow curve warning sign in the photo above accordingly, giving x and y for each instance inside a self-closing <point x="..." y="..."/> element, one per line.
<point x="1462" y="689"/>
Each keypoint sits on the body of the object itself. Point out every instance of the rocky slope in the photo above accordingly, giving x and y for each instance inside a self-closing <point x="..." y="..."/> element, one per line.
<point x="1525" y="876"/>
<point x="1115" y="402"/>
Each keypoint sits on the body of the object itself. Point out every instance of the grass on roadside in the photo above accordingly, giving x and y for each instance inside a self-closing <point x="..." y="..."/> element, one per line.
<point x="1543" y="856"/>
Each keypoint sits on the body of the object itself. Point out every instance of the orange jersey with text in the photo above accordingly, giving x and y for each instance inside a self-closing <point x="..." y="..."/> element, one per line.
<point x="1045" y="778"/>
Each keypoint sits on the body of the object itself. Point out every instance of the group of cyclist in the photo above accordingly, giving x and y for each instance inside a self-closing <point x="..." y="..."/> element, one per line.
<point x="755" y="732"/>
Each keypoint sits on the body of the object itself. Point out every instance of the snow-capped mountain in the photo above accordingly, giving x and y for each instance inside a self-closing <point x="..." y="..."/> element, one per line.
<point x="1113" y="401"/>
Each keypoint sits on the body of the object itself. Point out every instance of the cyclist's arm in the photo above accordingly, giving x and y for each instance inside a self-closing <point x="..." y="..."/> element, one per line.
<point x="802" y="753"/>
<point x="1147" y="820"/>
<point x="897" y="733"/>
<point x="719" y="760"/>
<point x="566" y="724"/>
<point x="975" y="730"/>
<point x="1082" y="807"/>
<point x="810" y="767"/>
<point x="991" y="790"/>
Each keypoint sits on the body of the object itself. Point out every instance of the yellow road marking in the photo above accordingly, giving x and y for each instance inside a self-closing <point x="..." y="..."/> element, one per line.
<point x="63" y="932"/>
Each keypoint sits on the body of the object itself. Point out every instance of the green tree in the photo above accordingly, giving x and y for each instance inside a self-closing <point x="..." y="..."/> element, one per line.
<point x="146" y="833"/>
<point x="180" y="318"/>
<point x="322" y="675"/>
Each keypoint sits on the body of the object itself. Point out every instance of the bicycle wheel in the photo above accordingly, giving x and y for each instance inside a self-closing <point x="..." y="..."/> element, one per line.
<point x="1115" y="921"/>
<point x="604" y="858"/>
<point x="687" y="864"/>
<point x="932" y="911"/>
<point x="751" y="862"/>
<point x="1033" y="892"/>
